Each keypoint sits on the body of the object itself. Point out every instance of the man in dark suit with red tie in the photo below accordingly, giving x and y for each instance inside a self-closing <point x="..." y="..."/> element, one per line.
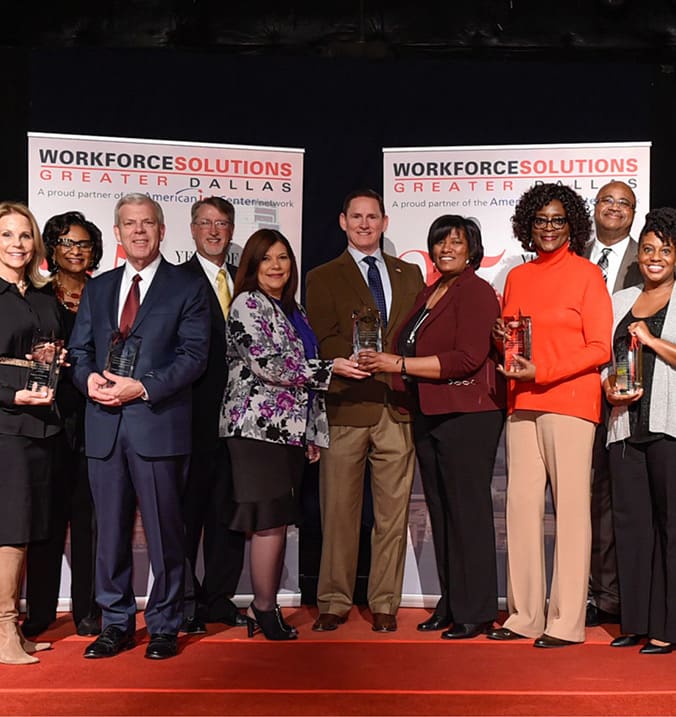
<point x="207" y="499"/>
<point x="136" y="440"/>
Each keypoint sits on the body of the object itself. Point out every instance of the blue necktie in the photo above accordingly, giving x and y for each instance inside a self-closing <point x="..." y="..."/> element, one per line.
<point x="376" y="287"/>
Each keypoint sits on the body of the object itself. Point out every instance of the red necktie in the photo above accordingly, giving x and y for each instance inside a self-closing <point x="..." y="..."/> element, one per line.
<point x="130" y="308"/>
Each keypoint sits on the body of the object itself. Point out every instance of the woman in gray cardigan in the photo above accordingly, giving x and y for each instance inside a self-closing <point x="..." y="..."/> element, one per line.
<point x="642" y="443"/>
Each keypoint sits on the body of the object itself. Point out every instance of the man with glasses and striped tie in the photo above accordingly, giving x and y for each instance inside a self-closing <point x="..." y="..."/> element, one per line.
<point x="368" y="421"/>
<point x="614" y="251"/>
<point x="207" y="499"/>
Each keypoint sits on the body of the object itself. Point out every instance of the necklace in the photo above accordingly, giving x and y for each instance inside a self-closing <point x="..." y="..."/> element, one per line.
<point x="69" y="299"/>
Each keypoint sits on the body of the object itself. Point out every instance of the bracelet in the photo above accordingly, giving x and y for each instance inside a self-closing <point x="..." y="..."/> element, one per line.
<point x="403" y="367"/>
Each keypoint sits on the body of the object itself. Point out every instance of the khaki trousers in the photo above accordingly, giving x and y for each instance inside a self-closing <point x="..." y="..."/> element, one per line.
<point x="541" y="445"/>
<point x="388" y="446"/>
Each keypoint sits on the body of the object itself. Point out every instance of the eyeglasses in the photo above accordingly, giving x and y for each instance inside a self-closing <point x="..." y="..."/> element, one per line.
<point x="218" y="224"/>
<point x="611" y="202"/>
<point x="69" y="243"/>
<point x="556" y="222"/>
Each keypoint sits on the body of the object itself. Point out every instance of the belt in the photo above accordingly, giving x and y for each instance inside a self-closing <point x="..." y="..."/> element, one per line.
<point x="21" y="363"/>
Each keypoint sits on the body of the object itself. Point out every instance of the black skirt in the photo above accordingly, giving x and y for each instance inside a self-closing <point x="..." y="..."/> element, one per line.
<point x="25" y="488"/>
<point x="266" y="481"/>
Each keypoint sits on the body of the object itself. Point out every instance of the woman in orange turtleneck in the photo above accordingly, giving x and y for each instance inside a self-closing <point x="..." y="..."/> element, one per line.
<point x="554" y="404"/>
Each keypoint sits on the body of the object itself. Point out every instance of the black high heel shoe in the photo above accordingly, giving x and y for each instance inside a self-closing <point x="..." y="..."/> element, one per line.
<point x="271" y="623"/>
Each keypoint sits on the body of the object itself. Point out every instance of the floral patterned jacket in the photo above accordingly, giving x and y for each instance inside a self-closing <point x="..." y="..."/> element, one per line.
<point x="269" y="378"/>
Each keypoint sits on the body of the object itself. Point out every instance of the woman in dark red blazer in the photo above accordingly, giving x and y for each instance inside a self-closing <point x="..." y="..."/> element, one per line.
<point x="446" y="360"/>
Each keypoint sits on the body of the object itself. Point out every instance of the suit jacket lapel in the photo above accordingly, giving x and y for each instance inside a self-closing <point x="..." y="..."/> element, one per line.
<point x="154" y="291"/>
<point x="354" y="279"/>
<point x="397" y="283"/>
<point x="113" y="302"/>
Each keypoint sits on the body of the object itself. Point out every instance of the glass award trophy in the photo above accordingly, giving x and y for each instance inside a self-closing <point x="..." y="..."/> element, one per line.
<point x="122" y="354"/>
<point x="45" y="366"/>
<point x="628" y="365"/>
<point x="518" y="334"/>
<point x="367" y="330"/>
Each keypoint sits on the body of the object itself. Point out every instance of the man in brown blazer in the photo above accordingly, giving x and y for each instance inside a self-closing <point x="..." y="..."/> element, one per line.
<point x="368" y="420"/>
<point x="615" y="252"/>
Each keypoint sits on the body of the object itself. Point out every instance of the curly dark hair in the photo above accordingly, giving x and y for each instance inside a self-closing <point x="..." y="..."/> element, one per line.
<point x="662" y="223"/>
<point x="579" y="222"/>
<point x="60" y="224"/>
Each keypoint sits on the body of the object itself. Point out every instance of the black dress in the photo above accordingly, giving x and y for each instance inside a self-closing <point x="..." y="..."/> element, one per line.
<point x="26" y="432"/>
<point x="71" y="507"/>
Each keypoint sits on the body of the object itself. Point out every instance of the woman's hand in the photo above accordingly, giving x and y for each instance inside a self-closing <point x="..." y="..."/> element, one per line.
<point x="348" y="368"/>
<point x="523" y="371"/>
<point x="499" y="331"/>
<point x="641" y="331"/>
<point x="39" y="397"/>
<point x="615" y="398"/>
<point x="377" y="361"/>
<point x="312" y="452"/>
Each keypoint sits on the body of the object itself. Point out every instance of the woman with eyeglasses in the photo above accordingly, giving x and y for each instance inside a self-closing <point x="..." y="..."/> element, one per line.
<point x="553" y="405"/>
<point x="74" y="248"/>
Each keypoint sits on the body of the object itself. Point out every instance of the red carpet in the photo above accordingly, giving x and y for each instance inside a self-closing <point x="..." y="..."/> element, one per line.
<point x="352" y="671"/>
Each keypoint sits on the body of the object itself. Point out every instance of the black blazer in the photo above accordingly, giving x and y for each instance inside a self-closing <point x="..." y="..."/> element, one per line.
<point x="208" y="390"/>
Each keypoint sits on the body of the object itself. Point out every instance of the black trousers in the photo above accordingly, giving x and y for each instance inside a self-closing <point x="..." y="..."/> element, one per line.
<point x="603" y="585"/>
<point x="207" y="509"/>
<point x="456" y="453"/>
<point x="644" y="510"/>
<point x="71" y="505"/>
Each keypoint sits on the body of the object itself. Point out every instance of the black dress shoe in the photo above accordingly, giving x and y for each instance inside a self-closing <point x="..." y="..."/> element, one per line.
<point x="595" y="616"/>
<point x="466" y="630"/>
<point x="109" y="643"/>
<point x="504" y="633"/>
<point x="626" y="641"/>
<point x="230" y="615"/>
<point x="31" y="628"/>
<point x="549" y="641"/>
<point x="650" y="648"/>
<point x="88" y="627"/>
<point x="434" y="622"/>
<point x="193" y="626"/>
<point x="161" y="646"/>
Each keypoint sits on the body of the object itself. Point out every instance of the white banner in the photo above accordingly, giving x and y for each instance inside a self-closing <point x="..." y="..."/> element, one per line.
<point x="485" y="183"/>
<point x="89" y="175"/>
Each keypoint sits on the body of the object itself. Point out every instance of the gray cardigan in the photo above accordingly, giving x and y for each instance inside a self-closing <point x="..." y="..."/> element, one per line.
<point x="662" y="417"/>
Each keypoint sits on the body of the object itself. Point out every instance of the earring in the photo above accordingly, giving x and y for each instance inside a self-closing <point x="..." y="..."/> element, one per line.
<point x="466" y="261"/>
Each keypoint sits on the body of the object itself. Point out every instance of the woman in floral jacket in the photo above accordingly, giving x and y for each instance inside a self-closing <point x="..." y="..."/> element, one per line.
<point x="273" y="412"/>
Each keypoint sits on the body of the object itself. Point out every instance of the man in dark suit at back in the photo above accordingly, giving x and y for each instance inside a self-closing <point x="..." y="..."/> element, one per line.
<point x="136" y="440"/>
<point x="208" y="495"/>
<point x="614" y="250"/>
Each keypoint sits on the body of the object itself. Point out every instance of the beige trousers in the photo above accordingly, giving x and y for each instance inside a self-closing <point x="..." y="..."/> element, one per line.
<point x="388" y="446"/>
<point x="541" y="445"/>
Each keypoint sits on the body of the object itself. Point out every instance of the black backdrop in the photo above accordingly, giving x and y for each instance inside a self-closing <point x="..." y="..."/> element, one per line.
<point x="341" y="111"/>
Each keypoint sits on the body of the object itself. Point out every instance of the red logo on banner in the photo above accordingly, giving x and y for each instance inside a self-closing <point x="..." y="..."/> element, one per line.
<point x="120" y="255"/>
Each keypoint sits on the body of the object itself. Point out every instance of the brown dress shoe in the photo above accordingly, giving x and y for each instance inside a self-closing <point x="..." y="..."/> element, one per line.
<point x="327" y="621"/>
<point x="382" y="622"/>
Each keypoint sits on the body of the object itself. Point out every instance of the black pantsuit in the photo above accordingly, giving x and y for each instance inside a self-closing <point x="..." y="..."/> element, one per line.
<point x="644" y="511"/>
<point x="208" y="504"/>
<point x="456" y="453"/>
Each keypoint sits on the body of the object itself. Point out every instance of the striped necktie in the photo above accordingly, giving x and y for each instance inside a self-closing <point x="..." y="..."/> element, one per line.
<point x="602" y="263"/>
<point x="376" y="287"/>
